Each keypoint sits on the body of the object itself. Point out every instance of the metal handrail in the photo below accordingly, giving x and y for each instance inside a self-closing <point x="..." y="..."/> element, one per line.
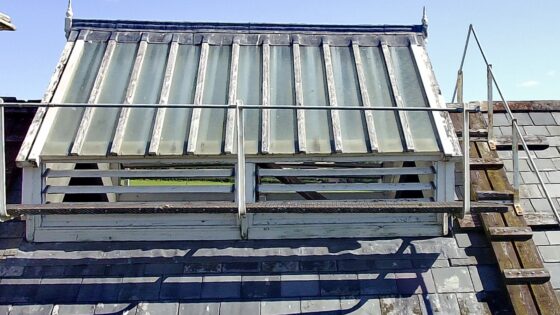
<point x="517" y="136"/>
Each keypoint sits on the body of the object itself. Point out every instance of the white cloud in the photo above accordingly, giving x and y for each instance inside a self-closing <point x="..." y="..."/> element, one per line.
<point x="551" y="73"/>
<point x="528" y="84"/>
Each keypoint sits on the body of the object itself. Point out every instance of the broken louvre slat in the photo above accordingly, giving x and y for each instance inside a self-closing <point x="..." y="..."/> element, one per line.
<point x="232" y="97"/>
<point x="510" y="233"/>
<point x="199" y="93"/>
<point x="532" y="276"/>
<point x="129" y="99"/>
<point x="402" y="115"/>
<point x="333" y="102"/>
<point x="164" y="96"/>
<point x="298" y="87"/>
<point x="372" y="135"/>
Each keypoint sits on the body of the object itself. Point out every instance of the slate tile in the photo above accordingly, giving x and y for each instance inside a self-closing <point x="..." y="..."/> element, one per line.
<point x="553" y="177"/>
<point x="393" y="264"/>
<point x="470" y="304"/>
<point x="550" y="253"/>
<point x="181" y="288"/>
<point x="318" y="265"/>
<point x="261" y="286"/>
<point x="554" y="269"/>
<point x="530" y="178"/>
<point x="235" y="267"/>
<point x="545" y="165"/>
<point x="378" y="283"/>
<point x="549" y="153"/>
<point x="330" y="306"/>
<point x="530" y="191"/>
<point x="553" y="130"/>
<point x="115" y="308"/>
<point x="221" y="287"/>
<point x="279" y="266"/>
<point x="472" y="239"/>
<point x="363" y="306"/>
<point x="85" y="271"/>
<point x="540" y="238"/>
<point x="146" y="308"/>
<point x="553" y="237"/>
<point x="54" y="291"/>
<point x="15" y="229"/>
<point x="164" y="269"/>
<point x="18" y="290"/>
<point x="74" y="309"/>
<point x="429" y="263"/>
<point x="31" y="309"/>
<point x="355" y="265"/>
<point x="240" y="308"/>
<point x="415" y="282"/>
<point x="339" y="285"/>
<point x="542" y="118"/>
<point x="452" y="280"/>
<point x="299" y="285"/>
<point x="400" y="305"/>
<point x="125" y="270"/>
<point x="441" y="304"/>
<point x="556" y="116"/>
<point x="203" y="268"/>
<point x="280" y="307"/>
<point x="11" y="271"/>
<point x="523" y="119"/>
<point x="199" y="308"/>
<point x="486" y="278"/>
<point x="536" y="130"/>
<point x="99" y="290"/>
<point x="139" y="289"/>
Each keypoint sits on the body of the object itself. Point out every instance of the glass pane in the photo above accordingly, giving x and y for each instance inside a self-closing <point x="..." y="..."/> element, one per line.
<point x="410" y="89"/>
<point x="379" y="92"/>
<point x="317" y="126"/>
<point x="283" y="137"/>
<point x="138" y="130"/>
<point x="352" y="123"/>
<point x="113" y="90"/>
<point x="211" y="128"/>
<point x="183" y="86"/>
<point x="60" y="138"/>
<point x="249" y="91"/>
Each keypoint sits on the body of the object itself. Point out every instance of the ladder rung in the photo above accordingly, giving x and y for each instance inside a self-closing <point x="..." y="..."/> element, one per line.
<point x="481" y="164"/>
<point x="492" y="195"/>
<point x="510" y="233"/>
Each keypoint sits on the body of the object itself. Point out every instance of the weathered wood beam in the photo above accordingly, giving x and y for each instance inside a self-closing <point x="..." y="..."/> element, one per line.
<point x="298" y="86"/>
<point x="403" y="115"/>
<point x="524" y="276"/>
<point x="540" y="219"/>
<point x="164" y="96"/>
<point x="372" y="133"/>
<point x="129" y="98"/>
<point x="265" y="147"/>
<point x="198" y="96"/>
<point x="334" y="114"/>
<point x="142" y="173"/>
<point x="138" y="189"/>
<point x="93" y="98"/>
<point x="232" y="97"/>
<point x="480" y="164"/>
<point x="275" y="188"/>
<point x="271" y="169"/>
<point x="351" y="172"/>
<point x="493" y="195"/>
<point x="510" y="233"/>
<point x="32" y="132"/>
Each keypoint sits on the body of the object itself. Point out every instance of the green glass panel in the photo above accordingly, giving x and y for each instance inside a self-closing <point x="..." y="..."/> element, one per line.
<point x="283" y="137"/>
<point x="66" y="123"/>
<point x="113" y="90"/>
<point x="317" y="126"/>
<point x="352" y="123"/>
<point x="211" y="127"/>
<point x="411" y="92"/>
<point x="177" y="121"/>
<point x="249" y="92"/>
<point x="379" y="92"/>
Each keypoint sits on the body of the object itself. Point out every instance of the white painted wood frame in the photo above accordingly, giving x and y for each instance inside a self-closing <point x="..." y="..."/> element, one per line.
<point x="232" y="98"/>
<point x="333" y="102"/>
<point x="199" y="93"/>
<point x="298" y="87"/>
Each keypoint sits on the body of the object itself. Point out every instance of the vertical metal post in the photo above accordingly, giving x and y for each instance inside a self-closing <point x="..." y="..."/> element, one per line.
<point x="490" y="87"/>
<point x="3" y="211"/>
<point x="466" y="162"/>
<point x="240" y="171"/>
<point x="515" y="157"/>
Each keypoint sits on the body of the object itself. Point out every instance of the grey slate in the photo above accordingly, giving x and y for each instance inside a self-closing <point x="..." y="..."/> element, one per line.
<point x="363" y="306"/>
<point x="260" y="286"/>
<point x="355" y="265"/>
<point x="441" y="304"/>
<point x="401" y="305"/>
<point x="550" y="253"/>
<point x="199" y="308"/>
<point x="471" y="239"/>
<point x="415" y="282"/>
<point x="280" y="307"/>
<point x="139" y="289"/>
<point x="74" y="309"/>
<point x="305" y="285"/>
<point x="236" y="267"/>
<point x="11" y="271"/>
<point x="18" y="290"/>
<point x="146" y="308"/>
<point x="378" y="283"/>
<point x="339" y="284"/>
<point x="542" y="118"/>
<point x="180" y="288"/>
<point x="486" y="278"/>
<point x="240" y="308"/>
<point x="53" y="290"/>
<point x="452" y="280"/>
<point x="163" y="269"/>
<point x="31" y="309"/>
<point x="203" y="268"/>
<point x="554" y="269"/>
<point x="540" y="238"/>
<point x="279" y="266"/>
<point x="318" y="265"/>
<point x="115" y="308"/>
<point x="553" y="237"/>
<point x="393" y="264"/>
<point x="327" y="306"/>
<point x="221" y="287"/>
<point x="99" y="290"/>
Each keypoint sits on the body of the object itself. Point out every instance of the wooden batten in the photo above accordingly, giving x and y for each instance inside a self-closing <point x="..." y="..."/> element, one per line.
<point x="403" y="115"/>
<point x="266" y="98"/>
<point x="276" y="188"/>
<point x="298" y="87"/>
<point x="164" y="97"/>
<point x="335" y="116"/>
<point x="372" y="135"/>
<point x="57" y="97"/>
<point x="351" y="172"/>
<point x="129" y="99"/>
<point x="199" y="93"/>
<point x="32" y="132"/>
<point x="138" y="189"/>
<point x="232" y="97"/>
<point x="93" y="98"/>
<point x="142" y="173"/>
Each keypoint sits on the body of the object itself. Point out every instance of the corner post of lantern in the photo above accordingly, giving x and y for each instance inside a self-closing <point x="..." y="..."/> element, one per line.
<point x="490" y="87"/>
<point x="240" y="171"/>
<point x="3" y="211"/>
<point x="515" y="157"/>
<point x="466" y="147"/>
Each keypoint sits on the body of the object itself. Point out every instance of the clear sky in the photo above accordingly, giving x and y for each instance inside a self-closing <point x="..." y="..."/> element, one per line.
<point x="520" y="37"/>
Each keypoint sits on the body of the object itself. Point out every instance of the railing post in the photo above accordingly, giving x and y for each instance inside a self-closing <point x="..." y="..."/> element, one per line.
<point x="240" y="171"/>
<point x="515" y="157"/>
<point x="466" y="160"/>
<point x="460" y="87"/>
<point x="3" y="211"/>
<point x="490" y="87"/>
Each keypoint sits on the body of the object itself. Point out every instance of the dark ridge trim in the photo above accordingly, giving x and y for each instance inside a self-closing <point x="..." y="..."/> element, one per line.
<point x="245" y="27"/>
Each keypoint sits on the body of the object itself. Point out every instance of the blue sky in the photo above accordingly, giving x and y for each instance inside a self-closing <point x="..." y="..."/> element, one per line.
<point x="519" y="36"/>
